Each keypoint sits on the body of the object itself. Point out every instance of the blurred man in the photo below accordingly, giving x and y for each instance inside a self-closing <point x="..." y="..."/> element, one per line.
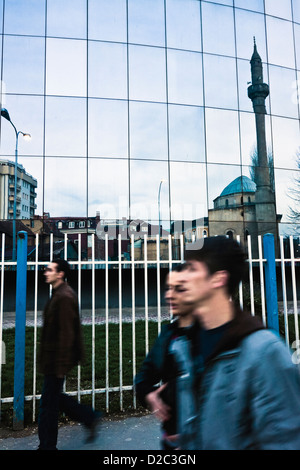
<point x="161" y="365"/>
<point x="61" y="349"/>
<point x="249" y="389"/>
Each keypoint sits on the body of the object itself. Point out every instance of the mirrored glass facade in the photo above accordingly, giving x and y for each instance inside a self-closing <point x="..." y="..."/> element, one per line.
<point x="140" y="109"/>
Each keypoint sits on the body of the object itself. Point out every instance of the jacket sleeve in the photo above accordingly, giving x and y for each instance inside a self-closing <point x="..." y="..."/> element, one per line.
<point x="65" y="335"/>
<point x="151" y="371"/>
<point x="275" y="393"/>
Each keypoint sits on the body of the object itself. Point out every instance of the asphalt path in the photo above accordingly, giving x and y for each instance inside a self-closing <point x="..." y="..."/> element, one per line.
<point x="131" y="433"/>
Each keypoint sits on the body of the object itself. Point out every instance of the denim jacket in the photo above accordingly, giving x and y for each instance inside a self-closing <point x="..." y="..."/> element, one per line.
<point x="249" y="396"/>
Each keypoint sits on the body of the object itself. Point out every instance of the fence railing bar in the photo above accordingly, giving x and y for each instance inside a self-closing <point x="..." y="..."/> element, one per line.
<point x="241" y="298"/>
<point x="256" y="266"/>
<point x="93" y="321"/>
<point x="73" y="393"/>
<point x="65" y="258"/>
<point x="35" y="323"/>
<point x="283" y="278"/>
<point x="170" y="266"/>
<point x="294" y="287"/>
<point x="158" y="283"/>
<point x="141" y="262"/>
<point x="133" y="316"/>
<point x="1" y="314"/>
<point x="120" y="325"/>
<point x="106" y="326"/>
<point x="251" y="275"/>
<point x="170" y="252"/>
<point x="146" y="295"/>
<point x="262" y="281"/>
<point x="181" y="248"/>
<point x="65" y="246"/>
<point x="79" y="302"/>
<point x="288" y="260"/>
<point x="51" y="247"/>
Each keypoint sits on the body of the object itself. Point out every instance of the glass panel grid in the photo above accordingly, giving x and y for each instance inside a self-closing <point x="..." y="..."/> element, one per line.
<point x="102" y="94"/>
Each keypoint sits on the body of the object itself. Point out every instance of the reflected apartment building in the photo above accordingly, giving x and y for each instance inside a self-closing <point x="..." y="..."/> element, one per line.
<point x="119" y="98"/>
<point x="26" y="192"/>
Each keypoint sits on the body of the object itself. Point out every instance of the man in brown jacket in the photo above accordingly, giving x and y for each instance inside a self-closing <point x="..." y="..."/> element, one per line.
<point x="61" y="349"/>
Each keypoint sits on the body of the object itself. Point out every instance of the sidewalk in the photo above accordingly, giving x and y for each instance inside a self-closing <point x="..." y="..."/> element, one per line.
<point x="132" y="433"/>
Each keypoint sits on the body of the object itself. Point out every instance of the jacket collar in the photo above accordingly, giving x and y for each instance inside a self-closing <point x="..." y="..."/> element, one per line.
<point x="59" y="288"/>
<point x="242" y="325"/>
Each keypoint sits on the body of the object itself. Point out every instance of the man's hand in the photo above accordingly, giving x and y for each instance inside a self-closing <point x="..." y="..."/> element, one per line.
<point x="157" y="405"/>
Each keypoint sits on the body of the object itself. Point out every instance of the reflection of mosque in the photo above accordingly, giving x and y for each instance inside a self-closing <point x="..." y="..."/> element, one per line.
<point x="234" y="212"/>
<point x="245" y="207"/>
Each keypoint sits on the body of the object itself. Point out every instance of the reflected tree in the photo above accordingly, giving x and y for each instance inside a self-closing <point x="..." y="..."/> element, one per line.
<point x="294" y="194"/>
<point x="254" y="168"/>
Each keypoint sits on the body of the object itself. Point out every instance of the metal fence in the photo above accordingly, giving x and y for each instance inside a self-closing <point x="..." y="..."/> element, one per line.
<point x="256" y="292"/>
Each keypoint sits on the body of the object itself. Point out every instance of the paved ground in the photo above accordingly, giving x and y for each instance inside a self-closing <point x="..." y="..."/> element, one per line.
<point x="131" y="433"/>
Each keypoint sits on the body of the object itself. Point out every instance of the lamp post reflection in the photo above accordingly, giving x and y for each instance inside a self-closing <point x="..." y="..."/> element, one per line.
<point x="5" y="114"/>
<point x="159" y="227"/>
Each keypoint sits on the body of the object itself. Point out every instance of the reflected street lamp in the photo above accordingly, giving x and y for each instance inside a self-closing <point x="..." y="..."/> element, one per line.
<point x="5" y="114"/>
<point x="159" y="228"/>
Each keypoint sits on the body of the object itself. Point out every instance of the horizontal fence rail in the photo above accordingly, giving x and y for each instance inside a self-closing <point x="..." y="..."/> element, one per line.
<point x="134" y="278"/>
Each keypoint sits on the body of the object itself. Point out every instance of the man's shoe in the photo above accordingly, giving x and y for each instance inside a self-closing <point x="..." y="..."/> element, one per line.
<point x="93" y="428"/>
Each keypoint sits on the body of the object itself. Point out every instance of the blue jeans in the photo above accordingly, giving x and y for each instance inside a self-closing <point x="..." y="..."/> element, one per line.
<point x="52" y="402"/>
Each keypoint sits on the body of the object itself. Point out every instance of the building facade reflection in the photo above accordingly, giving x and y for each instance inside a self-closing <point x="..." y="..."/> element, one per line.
<point x="120" y="96"/>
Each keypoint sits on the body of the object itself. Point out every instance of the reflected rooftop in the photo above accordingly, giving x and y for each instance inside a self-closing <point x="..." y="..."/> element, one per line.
<point x="242" y="184"/>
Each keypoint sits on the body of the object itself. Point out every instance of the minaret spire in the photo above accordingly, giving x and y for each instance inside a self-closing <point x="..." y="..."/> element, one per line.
<point x="264" y="196"/>
<point x="258" y="92"/>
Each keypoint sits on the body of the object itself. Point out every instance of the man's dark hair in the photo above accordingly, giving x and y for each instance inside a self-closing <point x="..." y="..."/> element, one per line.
<point x="220" y="253"/>
<point x="179" y="268"/>
<point x="62" y="265"/>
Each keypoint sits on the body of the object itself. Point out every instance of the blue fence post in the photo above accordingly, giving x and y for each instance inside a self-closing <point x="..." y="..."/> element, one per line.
<point x="19" y="370"/>
<point x="271" y="282"/>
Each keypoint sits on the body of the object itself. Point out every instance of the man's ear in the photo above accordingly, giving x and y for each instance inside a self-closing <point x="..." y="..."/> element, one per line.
<point x="220" y="278"/>
<point x="61" y="274"/>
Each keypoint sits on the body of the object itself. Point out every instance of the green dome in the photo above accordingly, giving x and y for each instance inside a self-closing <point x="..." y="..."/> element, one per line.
<point x="242" y="184"/>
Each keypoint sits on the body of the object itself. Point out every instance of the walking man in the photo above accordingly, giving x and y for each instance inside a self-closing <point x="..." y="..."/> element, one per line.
<point x="248" y="391"/>
<point x="61" y="348"/>
<point x="172" y="402"/>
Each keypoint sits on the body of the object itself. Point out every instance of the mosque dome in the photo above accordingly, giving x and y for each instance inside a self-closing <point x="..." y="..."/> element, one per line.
<point x="242" y="184"/>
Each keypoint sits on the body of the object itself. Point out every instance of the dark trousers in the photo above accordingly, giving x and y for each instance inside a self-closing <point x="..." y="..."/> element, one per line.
<point x="53" y="401"/>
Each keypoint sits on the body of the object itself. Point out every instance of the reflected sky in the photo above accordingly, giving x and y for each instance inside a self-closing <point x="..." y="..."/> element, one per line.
<point x="186" y="133"/>
<point x="31" y="21"/>
<point x="29" y="64"/>
<point x="107" y="21"/>
<point x="108" y="190"/>
<point x="180" y="18"/>
<point x="147" y="73"/>
<point x="108" y="128"/>
<point x="107" y="70"/>
<point x="146" y="22"/>
<point x="67" y="19"/>
<point x="65" y="129"/>
<point x="249" y="24"/>
<point x="66" y="67"/>
<point x="185" y="80"/>
<point x="279" y="8"/>
<point x="148" y="131"/>
<point x="218" y="29"/>
<point x="280" y="47"/>
<point x="112" y="111"/>
<point x="220" y="74"/>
